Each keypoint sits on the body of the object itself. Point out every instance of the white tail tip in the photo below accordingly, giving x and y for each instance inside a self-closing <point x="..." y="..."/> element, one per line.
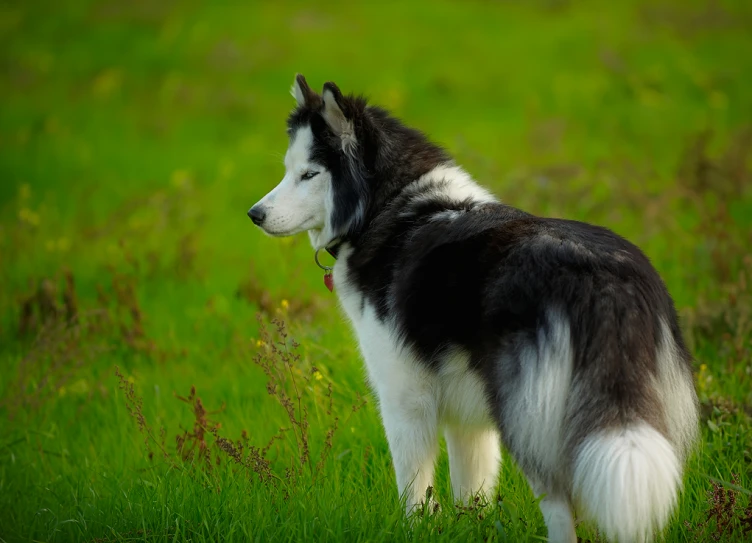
<point x="627" y="481"/>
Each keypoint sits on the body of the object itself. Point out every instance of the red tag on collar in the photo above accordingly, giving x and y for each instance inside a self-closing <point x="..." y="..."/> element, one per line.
<point x="329" y="281"/>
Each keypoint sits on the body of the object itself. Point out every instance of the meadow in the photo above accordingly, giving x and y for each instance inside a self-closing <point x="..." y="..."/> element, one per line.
<point x="170" y="374"/>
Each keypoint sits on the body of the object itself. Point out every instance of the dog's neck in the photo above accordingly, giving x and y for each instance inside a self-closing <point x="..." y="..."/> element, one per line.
<point x="332" y="246"/>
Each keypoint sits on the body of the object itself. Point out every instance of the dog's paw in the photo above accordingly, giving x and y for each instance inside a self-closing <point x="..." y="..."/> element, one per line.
<point x="424" y="506"/>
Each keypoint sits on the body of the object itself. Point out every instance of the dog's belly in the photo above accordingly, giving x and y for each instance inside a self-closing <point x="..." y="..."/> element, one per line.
<point x="463" y="398"/>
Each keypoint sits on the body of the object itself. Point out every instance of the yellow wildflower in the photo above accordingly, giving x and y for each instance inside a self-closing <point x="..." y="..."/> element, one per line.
<point x="180" y="178"/>
<point x="28" y="216"/>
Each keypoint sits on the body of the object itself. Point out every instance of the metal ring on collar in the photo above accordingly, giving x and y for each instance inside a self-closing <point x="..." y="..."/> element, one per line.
<point x="316" y="258"/>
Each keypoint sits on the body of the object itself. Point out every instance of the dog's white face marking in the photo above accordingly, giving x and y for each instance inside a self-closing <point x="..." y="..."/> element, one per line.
<point x="299" y="202"/>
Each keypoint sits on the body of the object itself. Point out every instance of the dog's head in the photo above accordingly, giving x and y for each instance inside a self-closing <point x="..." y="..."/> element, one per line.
<point x="324" y="190"/>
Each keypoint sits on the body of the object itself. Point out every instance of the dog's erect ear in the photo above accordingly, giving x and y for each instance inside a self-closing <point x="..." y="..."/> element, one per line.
<point x="303" y="94"/>
<point x="335" y="117"/>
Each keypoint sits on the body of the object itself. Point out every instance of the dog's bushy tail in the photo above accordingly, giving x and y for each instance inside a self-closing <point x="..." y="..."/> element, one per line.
<point x="626" y="480"/>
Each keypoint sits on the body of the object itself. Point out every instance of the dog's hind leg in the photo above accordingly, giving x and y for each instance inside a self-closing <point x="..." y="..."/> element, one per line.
<point x="474" y="457"/>
<point x="557" y="514"/>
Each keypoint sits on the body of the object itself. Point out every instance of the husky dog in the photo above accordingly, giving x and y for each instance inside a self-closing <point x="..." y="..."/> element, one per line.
<point x="555" y="337"/>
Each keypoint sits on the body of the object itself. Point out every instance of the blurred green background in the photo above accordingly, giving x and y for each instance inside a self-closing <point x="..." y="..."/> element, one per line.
<point x="134" y="136"/>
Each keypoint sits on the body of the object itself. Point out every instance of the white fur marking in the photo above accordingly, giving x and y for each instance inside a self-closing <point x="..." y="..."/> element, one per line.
<point x="462" y="392"/>
<point x="536" y="422"/>
<point x="295" y="205"/>
<point x="676" y="390"/>
<point x="448" y="215"/>
<point x="454" y="183"/>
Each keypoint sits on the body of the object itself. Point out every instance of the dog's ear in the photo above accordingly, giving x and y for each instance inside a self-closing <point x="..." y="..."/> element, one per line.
<point x="335" y="117"/>
<point x="333" y="114"/>
<point x="303" y="94"/>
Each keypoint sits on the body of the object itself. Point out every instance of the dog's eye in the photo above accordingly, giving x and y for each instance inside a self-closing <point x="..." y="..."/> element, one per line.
<point x="308" y="175"/>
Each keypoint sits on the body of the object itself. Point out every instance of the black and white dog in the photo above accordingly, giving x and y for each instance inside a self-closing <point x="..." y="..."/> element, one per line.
<point x="487" y="323"/>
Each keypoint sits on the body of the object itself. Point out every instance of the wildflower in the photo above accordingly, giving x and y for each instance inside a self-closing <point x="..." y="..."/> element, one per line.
<point x="28" y="216"/>
<point x="107" y="82"/>
<point x="180" y="178"/>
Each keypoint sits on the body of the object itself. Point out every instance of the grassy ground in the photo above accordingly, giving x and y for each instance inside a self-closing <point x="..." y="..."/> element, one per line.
<point x="135" y="135"/>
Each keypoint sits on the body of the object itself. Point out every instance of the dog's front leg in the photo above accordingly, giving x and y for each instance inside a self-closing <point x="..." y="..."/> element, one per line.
<point x="408" y="399"/>
<point x="474" y="457"/>
<point x="410" y="414"/>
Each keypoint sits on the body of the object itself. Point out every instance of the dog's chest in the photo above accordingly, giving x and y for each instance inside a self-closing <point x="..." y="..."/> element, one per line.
<point x="458" y="394"/>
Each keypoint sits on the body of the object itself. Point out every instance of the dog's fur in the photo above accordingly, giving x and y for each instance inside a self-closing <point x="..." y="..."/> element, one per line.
<point x="486" y="322"/>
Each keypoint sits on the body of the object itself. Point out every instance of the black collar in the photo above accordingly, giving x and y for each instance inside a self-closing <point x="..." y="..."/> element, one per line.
<point x="334" y="248"/>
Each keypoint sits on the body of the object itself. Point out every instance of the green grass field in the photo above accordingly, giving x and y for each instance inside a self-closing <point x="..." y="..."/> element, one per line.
<point x="135" y="135"/>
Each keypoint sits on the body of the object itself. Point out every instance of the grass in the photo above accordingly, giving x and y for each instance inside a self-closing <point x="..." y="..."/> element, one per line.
<point x="135" y="135"/>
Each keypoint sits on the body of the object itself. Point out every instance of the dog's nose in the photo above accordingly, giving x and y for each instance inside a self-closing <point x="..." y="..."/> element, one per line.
<point x="257" y="214"/>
